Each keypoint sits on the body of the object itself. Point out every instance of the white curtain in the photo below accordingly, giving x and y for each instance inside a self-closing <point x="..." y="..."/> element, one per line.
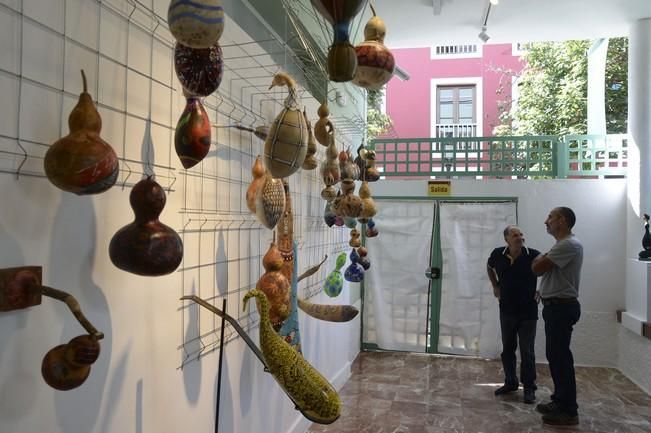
<point x="469" y="319"/>
<point x="395" y="286"/>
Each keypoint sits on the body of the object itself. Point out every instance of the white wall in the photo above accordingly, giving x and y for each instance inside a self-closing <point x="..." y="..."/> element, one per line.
<point x="136" y="385"/>
<point x="600" y="207"/>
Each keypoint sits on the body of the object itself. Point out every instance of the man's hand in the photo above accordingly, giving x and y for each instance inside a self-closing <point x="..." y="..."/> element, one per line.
<point x="496" y="291"/>
<point x="541" y="264"/>
<point x="536" y="296"/>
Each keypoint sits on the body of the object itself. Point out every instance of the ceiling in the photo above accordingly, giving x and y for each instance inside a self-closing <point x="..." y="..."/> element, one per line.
<point x="424" y="23"/>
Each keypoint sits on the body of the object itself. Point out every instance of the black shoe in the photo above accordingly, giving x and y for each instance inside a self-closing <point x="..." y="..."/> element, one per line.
<point x="560" y="418"/>
<point x="505" y="389"/>
<point x="545" y="408"/>
<point x="529" y="396"/>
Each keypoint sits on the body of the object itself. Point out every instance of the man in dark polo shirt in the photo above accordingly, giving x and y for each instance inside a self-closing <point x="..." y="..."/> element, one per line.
<point x="514" y="284"/>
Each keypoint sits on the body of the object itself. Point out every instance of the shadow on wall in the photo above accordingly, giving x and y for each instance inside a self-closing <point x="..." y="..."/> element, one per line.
<point x="192" y="348"/>
<point x="226" y="411"/>
<point x="115" y="392"/>
<point x="72" y="255"/>
<point x="221" y="267"/>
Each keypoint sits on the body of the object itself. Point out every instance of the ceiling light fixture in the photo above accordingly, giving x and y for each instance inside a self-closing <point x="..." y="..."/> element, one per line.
<point x="401" y="73"/>
<point x="483" y="35"/>
<point x="494" y="2"/>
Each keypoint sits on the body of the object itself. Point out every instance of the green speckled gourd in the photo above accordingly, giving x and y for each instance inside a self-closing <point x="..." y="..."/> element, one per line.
<point x="334" y="282"/>
<point x="313" y="395"/>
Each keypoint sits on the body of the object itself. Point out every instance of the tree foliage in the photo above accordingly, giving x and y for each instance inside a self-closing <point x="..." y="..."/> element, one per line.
<point x="553" y="90"/>
<point x="377" y="123"/>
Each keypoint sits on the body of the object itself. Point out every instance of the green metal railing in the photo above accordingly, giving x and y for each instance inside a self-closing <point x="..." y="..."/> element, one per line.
<point x="544" y="156"/>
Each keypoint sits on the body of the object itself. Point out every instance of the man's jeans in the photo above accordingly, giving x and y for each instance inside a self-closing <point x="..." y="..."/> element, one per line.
<point x="559" y="321"/>
<point x="524" y="330"/>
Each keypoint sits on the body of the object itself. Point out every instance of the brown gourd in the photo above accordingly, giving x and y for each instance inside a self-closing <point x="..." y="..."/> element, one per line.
<point x="81" y="162"/>
<point x="67" y="366"/>
<point x="310" y="162"/>
<point x="258" y="180"/>
<point x="275" y="286"/>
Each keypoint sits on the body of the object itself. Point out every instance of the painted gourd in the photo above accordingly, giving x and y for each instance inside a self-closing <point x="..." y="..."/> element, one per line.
<point x="350" y="204"/>
<point x="354" y="241"/>
<point x="275" y="286"/>
<point x="363" y="259"/>
<point x="342" y="60"/>
<point x="372" y="174"/>
<point x="199" y="70"/>
<point x="323" y="128"/>
<point x="67" y="366"/>
<point x="330" y="171"/>
<point x="369" y="209"/>
<point x="196" y="23"/>
<point x="258" y="180"/>
<point x="270" y="201"/>
<point x="347" y="167"/>
<point x="192" y="135"/>
<point x="310" y="162"/>
<point x="334" y="282"/>
<point x="290" y="330"/>
<point x="329" y="216"/>
<point x="354" y="272"/>
<point x="375" y="63"/>
<point x="360" y="160"/>
<point x="81" y="162"/>
<point x="371" y="231"/>
<point x="312" y="394"/>
<point x="146" y="246"/>
<point x="286" y="145"/>
<point x="327" y="312"/>
<point x="285" y="234"/>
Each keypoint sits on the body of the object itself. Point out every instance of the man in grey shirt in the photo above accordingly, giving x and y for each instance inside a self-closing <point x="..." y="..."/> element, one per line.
<point x="559" y="289"/>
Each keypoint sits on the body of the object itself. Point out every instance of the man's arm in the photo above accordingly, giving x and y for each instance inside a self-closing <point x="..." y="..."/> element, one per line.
<point x="494" y="282"/>
<point x="541" y="264"/>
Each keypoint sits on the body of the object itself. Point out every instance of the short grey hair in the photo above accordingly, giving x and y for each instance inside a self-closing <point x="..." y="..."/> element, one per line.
<point x="508" y="228"/>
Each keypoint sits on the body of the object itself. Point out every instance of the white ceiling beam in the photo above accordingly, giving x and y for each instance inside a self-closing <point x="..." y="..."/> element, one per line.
<point x="437" y="5"/>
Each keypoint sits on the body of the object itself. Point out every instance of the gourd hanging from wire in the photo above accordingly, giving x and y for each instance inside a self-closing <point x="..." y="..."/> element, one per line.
<point x="310" y="162"/>
<point x="286" y="145"/>
<point x="375" y="63"/>
<point x="196" y="23"/>
<point x="192" y="134"/>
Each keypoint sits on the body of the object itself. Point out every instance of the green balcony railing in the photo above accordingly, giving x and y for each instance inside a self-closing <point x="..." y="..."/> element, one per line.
<point x="545" y="156"/>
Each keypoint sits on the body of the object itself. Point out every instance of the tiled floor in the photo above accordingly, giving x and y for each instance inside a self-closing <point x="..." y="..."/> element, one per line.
<point x="412" y="393"/>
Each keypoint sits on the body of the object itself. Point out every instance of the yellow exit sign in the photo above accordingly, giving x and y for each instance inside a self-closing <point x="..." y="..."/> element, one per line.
<point x="439" y="187"/>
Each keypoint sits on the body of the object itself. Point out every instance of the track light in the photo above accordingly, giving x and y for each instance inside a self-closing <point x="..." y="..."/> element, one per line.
<point x="401" y="73"/>
<point x="483" y="35"/>
<point x="494" y="2"/>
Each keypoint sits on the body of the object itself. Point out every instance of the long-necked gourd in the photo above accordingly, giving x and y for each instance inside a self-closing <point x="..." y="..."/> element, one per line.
<point x="329" y="313"/>
<point x="313" y="395"/>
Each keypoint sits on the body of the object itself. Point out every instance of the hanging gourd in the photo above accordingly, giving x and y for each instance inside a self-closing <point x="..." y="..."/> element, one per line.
<point x="347" y="167"/>
<point x="199" y="70"/>
<point x="270" y="201"/>
<point x="67" y="366"/>
<point x="275" y="286"/>
<point x="354" y="241"/>
<point x="328" y="312"/>
<point x="368" y="204"/>
<point x="286" y="144"/>
<point x="360" y="160"/>
<point x="375" y="63"/>
<point x="354" y="272"/>
<point x="192" y="134"/>
<point x="196" y="23"/>
<point x="285" y="234"/>
<point x="334" y="282"/>
<point x="146" y="246"/>
<point x="330" y="172"/>
<point x="329" y="216"/>
<point x="81" y="162"/>
<point x="310" y="162"/>
<point x="349" y="222"/>
<point x="363" y="259"/>
<point x="342" y="60"/>
<point x="372" y="174"/>
<point x="323" y="128"/>
<point x="258" y="180"/>
<point x="371" y="231"/>
<point x="350" y="204"/>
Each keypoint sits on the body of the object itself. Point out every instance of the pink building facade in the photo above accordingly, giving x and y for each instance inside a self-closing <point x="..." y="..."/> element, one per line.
<point x="456" y="91"/>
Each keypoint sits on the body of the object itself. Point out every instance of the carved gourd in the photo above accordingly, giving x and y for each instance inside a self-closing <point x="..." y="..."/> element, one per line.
<point x="312" y="394"/>
<point x="146" y="246"/>
<point x="270" y="201"/>
<point x="196" y="23"/>
<point x="342" y="60"/>
<point x="330" y="171"/>
<point x="347" y="167"/>
<point x="350" y="205"/>
<point x="375" y="63"/>
<point x="372" y="174"/>
<point x="354" y="241"/>
<point x="354" y="272"/>
<point x="199" y="70"/>
<point x="334" y="282"/>
<point x="67" y="366"/>
<point x="81" y="162"/>
<point x="286" y="145"/>
<point x="368" y="204"/>
<point x="310" y="162"/>
<point x="192" y="134"/>
<point x="258" y="180"/>
<point x="363" y="259"/>
<point x="275" y="286"/>
<point x="285" y="235"/>
<point x="328" y="215"/>
<point x="323" y="128"/>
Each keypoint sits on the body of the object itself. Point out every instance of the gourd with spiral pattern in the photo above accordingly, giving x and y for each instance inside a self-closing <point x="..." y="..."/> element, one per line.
<point x="67" y="366"/>
<point x="334" y="282"/>
<point x="312" y="394"/>
<point x="275" y="286"/>
<point x="192" y="134"/>
<point x="196" y="23"/>
<point x="286" y="145"/>
<point x="81" y="162"/>
<point x="342" y="59"/>
<point x="199" y="70"/>
<point x="258" y="172"/>
<point x="354" y="272"/>
<point x="375" y="63"/>
<point x="310" y="162"/>
<point x="146" y="246"/>
<point x="270" y="201"/>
